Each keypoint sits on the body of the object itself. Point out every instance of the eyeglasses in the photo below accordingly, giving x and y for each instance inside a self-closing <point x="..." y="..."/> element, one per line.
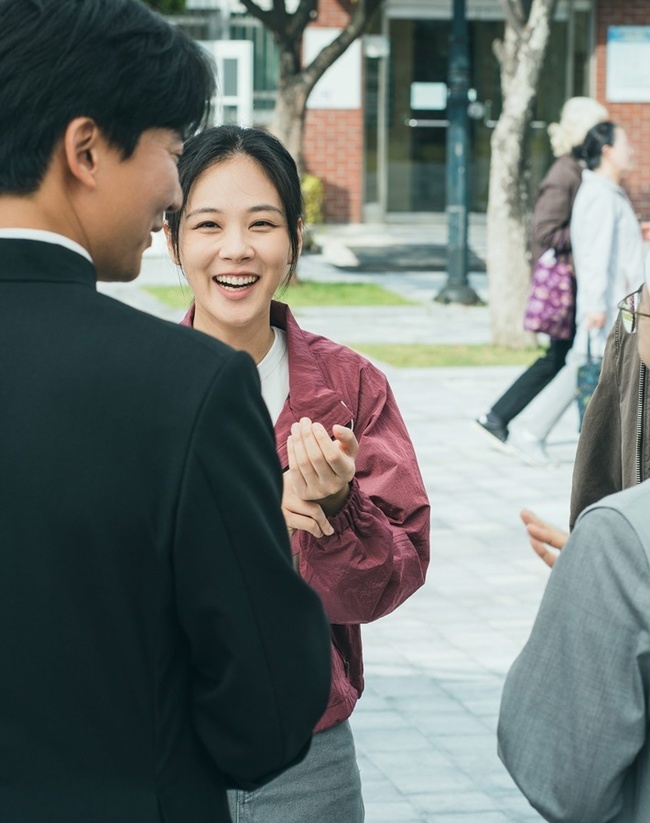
<point x="628" y="308"/>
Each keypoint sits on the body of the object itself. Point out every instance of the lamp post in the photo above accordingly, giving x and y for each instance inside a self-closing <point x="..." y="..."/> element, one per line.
<point x="457" y="288"/>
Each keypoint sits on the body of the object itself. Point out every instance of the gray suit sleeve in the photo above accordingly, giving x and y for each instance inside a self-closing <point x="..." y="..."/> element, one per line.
<point x="258" y="637"/>
<point x="573" y="712"/>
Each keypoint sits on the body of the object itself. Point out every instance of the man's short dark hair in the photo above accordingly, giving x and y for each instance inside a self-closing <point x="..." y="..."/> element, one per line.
<point x="115" y="61"/>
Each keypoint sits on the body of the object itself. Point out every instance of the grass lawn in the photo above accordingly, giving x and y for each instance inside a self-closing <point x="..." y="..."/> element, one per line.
<point x="303" y="294"/>
<point x="428" y="356"/>
<point x="311" y="293"/>
<point x="178" y="297"/>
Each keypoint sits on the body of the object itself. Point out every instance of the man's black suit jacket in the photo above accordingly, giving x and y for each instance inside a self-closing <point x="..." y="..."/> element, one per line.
<point x="155" y="643"/>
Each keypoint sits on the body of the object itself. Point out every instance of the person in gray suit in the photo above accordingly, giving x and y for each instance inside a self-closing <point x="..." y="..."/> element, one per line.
<point x="573" y="727"/>
<point x="157" y="645"/>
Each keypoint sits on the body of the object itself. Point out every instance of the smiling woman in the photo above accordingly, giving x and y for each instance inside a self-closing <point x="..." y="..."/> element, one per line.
<point x="236" y="252"/>
<point x="354" y="502"/>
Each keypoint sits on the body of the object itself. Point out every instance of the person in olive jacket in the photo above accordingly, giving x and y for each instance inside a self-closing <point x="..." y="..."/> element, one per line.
<point x="157" y="645"/>
<point x="614" y="446"/>
<point x="613" y="451"/>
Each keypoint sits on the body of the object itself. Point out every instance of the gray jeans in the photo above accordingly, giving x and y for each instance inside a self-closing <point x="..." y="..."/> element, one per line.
<point x="324" y="788"/>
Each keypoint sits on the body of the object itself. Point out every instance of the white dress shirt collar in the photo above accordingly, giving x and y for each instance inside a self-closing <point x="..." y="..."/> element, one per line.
<point x="44" y="237"/>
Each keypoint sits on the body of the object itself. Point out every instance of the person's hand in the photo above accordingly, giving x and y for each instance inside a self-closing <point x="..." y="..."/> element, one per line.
<point x="302" y="514"/>
<point x="595" y="320"/>
<point x="544" y="538"/>
<point x="645" y="229"/>
<point x="321" y="469"/>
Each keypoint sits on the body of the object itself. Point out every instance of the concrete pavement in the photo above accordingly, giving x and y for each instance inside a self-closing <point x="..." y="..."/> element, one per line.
<point x="425" y="727"/>
<point x="406" y="246"/>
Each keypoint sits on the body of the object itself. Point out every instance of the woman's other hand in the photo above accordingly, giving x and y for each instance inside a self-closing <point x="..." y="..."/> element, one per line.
<point x="303" y="515"/>
<point x="545" y="539"/>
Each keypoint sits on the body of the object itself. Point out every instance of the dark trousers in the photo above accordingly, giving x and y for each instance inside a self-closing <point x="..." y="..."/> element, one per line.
<point x="532" y="381"/>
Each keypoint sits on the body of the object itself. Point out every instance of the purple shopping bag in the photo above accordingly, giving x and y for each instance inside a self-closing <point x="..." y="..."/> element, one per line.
<point x="550" y="307"/>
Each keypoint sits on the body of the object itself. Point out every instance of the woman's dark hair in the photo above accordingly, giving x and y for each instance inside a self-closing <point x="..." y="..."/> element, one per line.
<point x="598" y="136"/>
<point x="115" y="61"/>
<point x="225" y="142"/>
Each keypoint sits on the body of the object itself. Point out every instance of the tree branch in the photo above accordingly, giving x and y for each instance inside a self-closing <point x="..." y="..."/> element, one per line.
<point x="270" y="20"/>
<point x="279" y="8"/>
<point x="300" y="18"/>
<point x="498" y="50"/>
<point x="545" y="4"/>
<point x="358" y="22"/>
<point x="514" y="15"/>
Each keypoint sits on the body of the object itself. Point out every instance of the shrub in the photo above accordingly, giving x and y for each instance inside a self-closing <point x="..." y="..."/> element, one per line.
<point x="312" y="191"/>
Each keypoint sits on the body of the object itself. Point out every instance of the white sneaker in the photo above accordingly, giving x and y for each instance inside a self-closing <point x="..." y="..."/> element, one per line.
<point x="526" y="446"/>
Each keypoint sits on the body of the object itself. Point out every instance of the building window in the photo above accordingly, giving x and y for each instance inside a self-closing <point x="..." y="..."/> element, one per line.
<point x="266" y="64"/>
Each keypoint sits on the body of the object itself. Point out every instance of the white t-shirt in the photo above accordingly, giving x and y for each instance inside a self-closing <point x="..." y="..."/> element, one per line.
<point x="274" y="374"/>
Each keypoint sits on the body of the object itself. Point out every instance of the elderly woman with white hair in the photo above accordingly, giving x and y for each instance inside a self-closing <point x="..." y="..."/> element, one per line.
<point x="608" y="254"/>
<point x="550" y="230"/>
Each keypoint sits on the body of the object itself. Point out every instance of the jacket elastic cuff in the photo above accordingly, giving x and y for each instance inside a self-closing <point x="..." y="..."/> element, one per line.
<point x="353" y="511"/>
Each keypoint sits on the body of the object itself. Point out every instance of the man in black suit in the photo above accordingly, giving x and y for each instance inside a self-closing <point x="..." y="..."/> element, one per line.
<point x="155" y="643"/>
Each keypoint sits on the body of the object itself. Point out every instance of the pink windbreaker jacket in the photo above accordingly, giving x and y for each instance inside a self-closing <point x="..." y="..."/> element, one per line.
<point x="379" y="552"/>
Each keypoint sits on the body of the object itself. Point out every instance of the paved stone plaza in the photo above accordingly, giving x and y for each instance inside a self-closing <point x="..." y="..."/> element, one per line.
<point x="425" y="727"/>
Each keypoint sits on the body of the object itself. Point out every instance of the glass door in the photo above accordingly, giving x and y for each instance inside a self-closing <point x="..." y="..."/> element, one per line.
<point x="406" y="113"/>
<point x="416" y="116"/>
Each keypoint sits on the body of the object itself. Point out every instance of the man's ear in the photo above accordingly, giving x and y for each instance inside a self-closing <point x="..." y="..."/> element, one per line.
<point x="82" y="145"/>
<point x="170" y="246"/>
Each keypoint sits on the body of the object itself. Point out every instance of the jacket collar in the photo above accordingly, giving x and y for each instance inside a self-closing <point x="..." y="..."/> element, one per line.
<point x="44" y="236"/>
<point x="315" y="397"/>
<point x="33" y="261"/>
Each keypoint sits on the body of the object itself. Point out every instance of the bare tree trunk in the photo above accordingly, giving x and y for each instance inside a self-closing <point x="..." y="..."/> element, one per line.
<point x="288" y="122"/>
<point x="295" y="82"/>
<point x="521" y="55"/>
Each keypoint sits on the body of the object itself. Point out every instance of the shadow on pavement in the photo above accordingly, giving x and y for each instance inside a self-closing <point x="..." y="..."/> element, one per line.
<point x="405" y="257"/>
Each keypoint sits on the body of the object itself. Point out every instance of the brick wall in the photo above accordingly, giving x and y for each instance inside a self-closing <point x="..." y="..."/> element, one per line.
<point x="333" y="151"/>
<point x="634" y="117"/>
<point x="333" y="144"/>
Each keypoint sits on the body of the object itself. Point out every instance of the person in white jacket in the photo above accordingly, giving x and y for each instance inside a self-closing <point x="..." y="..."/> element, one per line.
<point x="608" y="258"/>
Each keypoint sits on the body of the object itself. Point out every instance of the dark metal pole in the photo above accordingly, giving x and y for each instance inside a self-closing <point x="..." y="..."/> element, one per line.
<point x="457" y="289"/>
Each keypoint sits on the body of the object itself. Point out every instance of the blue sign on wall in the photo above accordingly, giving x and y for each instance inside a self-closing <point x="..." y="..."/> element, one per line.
<point x="628" y="64"/>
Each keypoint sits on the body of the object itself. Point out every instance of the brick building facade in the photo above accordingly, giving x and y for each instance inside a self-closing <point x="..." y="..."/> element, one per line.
<point x="634" y="117"/>
<point x="335" y="139"/>
<point x="333" y="146"/>
<point x="333" y="151"/>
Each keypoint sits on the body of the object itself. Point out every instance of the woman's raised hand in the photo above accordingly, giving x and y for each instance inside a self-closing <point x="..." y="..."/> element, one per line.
<point x="321" y="469"/>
